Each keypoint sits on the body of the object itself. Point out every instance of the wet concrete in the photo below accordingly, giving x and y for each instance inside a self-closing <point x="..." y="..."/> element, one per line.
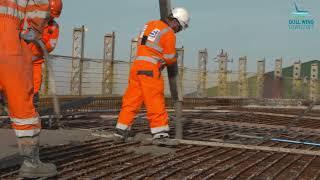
<point x="151" y="149"/>
<point x="146" y="146"/>
<point x="8" y="146"/>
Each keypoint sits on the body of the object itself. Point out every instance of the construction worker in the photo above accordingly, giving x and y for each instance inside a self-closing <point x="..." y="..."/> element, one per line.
<point x="49" y="38"/>
<point x="16" y="79"/>
<point x="156" y="49"/>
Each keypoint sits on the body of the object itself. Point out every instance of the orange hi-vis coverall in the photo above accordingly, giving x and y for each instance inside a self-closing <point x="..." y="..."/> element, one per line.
<point x="49" y="37"/>
<point x="156" y="48"/>
<point x="16" y="64"/>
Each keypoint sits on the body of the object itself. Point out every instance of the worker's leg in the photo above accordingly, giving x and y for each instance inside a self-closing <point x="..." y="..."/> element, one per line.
<point x="37" y="78"/>
<point x="17" y="83"/>
<point x="131" y="103"/>
<point x="153" y="95"/>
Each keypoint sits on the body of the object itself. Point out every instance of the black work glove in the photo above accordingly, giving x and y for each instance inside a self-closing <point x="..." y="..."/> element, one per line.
<point x="162" y="66"/>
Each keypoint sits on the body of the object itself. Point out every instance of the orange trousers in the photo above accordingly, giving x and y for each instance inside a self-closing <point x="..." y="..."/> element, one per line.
<point x="37" y="74"/>
<point x="16" y="79"/>
<point x="146" y="86"/>
<point x="15" y="70"/>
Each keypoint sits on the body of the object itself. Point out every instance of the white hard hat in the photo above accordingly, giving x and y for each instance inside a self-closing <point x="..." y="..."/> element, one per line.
<point x="182" y="15"/>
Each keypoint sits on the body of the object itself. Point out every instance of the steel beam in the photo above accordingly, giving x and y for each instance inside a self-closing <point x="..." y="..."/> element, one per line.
<point x="296" y="82"/>
<point x="202" y="74"/>
<point x="133" y="50"/>
<point x="77" y="61"/>
<point x="260" y="77"/>
<point x="243" y="82"/>
<point x="314" y="80"/>
<point x="278" y="69"/>
<point x="108" y="57"/>
<point x="277" y="82"/>
<point x="222" y="73"/>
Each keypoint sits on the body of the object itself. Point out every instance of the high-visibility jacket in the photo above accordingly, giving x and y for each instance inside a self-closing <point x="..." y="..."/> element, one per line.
<point x="15" y="62"/>
<point x="49" y="37"/>
<point x="156" y="43"/>
<point x="38" y="14"/>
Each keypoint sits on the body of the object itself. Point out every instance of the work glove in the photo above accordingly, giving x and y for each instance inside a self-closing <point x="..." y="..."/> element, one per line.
<point x="162" y="66"/>
<point x="29" y="35"/>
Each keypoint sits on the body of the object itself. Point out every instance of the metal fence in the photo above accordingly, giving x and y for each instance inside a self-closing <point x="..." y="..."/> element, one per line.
<point x="270" y="86"/>
<point x="77" y="75"/>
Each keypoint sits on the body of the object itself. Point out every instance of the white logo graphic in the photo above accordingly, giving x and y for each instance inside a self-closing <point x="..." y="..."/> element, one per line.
<point x="153" y="35"/>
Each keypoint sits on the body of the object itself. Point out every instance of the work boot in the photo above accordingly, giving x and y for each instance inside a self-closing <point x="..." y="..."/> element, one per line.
<point x="123" y="135"/>
<point x="162" y="139"/>
<point x="32" y="167"/>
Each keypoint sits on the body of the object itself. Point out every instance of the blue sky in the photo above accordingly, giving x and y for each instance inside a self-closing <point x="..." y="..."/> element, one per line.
<point x="253" y="28"/>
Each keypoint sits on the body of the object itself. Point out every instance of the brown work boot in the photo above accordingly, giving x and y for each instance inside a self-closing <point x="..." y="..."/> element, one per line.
<point x="32" y="167"/>
<point x="162" y="139"/>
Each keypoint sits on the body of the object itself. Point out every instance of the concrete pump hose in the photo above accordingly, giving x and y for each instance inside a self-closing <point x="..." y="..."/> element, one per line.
<point x="52" y="82"/>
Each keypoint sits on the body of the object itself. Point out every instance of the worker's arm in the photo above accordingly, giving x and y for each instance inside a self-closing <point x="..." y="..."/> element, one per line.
<point x="50" y="36"/>
<point x="37" y="15"/>
<point x="169" y="48"/>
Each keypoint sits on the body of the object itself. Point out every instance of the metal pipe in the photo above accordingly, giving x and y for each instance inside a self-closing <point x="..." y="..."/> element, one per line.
<point x="176" y="91"/>
<point x="277" y="139"/>
<point x="52" y="81"/>
<point x="165" y="8"/>
<point x="295" y="142"/>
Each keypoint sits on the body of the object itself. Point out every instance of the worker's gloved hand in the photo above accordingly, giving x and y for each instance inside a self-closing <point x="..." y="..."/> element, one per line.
<point x="162" y="66"/>
<point x="29" y="35"/>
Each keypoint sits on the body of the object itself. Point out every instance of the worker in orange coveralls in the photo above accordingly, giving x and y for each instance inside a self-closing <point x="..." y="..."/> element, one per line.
<point x="50" y="37"/>
<point x="156" y="49"/>
<point x="16" y="78"/>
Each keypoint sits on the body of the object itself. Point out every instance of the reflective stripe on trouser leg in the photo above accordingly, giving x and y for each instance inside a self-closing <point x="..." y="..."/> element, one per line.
<point x="156" y="130"/>
<point x="122" y="126"/>
<point x="29" y="127"/>
<point x="153" y="96"/>
<point x="131" y="101"/>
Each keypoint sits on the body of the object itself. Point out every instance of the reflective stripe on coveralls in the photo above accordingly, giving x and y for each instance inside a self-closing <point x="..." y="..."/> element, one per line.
<point x="12" y="12"/>
<point x="153" y="60"/>
<point x="26" y="127"/>
<point x="154" y="46"/>
<point x="38" y="14"/>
